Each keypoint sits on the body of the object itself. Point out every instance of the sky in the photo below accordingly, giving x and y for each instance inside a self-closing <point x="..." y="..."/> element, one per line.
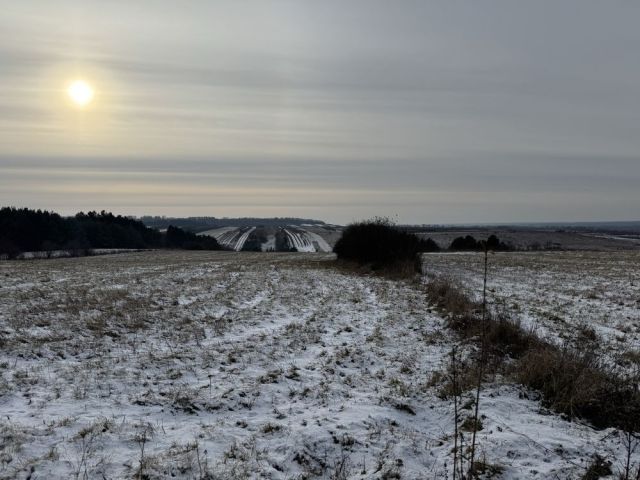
<point x="340" y="110"/>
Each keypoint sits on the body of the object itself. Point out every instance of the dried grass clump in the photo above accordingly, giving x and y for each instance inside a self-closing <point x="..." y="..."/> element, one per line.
<point x="506" y="337"/>
<point x="450" y="298"/>
<point x="575" y="384"/>
<point x="598" y="468"/>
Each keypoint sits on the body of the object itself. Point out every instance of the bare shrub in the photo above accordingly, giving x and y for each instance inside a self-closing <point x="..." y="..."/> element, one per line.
<point x="144" y="432"/>
<point x="598" y="468"/>
<point x="483" y="469"/>
<point x="460" y="378"/>
<point x="379" y="246"/>
<point x="380" y="242"/>
<point x="84" y="459"/>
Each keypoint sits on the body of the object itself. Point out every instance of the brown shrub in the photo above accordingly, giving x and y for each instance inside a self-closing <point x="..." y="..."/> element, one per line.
<point x="598" y="468"/>
<point x="450" y="298"/>
<point x="576" y="385"/>
<point x="506" y="337"/>
<point x="466" y="379"/>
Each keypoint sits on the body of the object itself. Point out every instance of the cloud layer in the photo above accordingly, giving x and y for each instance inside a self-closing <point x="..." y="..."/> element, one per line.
<point x="431" y="111"/>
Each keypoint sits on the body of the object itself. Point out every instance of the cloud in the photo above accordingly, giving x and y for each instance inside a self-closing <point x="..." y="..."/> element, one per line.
<point x="464" y="99"/>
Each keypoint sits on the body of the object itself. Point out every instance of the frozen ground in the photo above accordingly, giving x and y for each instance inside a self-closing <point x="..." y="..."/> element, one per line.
<point x="241" y="365"/>
<point x="562" y="295"/>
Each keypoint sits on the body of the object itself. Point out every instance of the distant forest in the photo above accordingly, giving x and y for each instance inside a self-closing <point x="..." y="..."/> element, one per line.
<point x="200" y="224"/>
<point x="26" y="230"/>
<point x="469" y="243"/>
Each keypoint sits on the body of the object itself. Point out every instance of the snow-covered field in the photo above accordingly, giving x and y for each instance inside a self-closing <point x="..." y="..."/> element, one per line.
<point x="560" y="294"/>
<point x="232" y="238"/>
<point x="247" y="365"/>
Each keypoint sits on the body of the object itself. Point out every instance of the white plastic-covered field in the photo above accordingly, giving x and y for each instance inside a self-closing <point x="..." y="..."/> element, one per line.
<point x="232" y="238"/>
<point x="221" y="365"/>
<point x="319" y="243"/>
<point x="306" y="241"/>
<point x="294" y="238"/>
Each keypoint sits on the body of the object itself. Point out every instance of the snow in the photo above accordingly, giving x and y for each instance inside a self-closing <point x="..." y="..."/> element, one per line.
<point x="323" y="246"/>
<point x="307" y="241"/>
<point x="243" y="238"/>
<point x="231" y="237"/>
<point x="245" y="365"/>
<point x="300" y="241"/>
<point x="270" y="244"/>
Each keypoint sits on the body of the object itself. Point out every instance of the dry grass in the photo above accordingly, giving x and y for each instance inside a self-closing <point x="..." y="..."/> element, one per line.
<point x="570" y="378"/>
<point x="452" y="301"/>
<point x="598" y="468"/>
<point x="565" y="294"/>
<point x="575" y="384"/>
<point x="400" y="270"/>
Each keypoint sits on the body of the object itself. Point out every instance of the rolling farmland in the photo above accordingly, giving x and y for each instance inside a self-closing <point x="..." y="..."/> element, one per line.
<point x="256" y="365"/>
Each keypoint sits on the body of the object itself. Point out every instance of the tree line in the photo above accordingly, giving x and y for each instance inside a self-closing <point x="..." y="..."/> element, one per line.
<point x="469" y="243"/>
<point x="27" y="230"/>
<point x="199" y="224"/>
<point x="378" y="242"/>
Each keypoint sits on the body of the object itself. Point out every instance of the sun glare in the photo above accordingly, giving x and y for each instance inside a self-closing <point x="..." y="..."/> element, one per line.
<point x="80" y="93"/>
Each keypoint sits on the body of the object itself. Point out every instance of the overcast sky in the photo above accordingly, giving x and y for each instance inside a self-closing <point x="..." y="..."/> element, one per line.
<point x="428" y="112"/>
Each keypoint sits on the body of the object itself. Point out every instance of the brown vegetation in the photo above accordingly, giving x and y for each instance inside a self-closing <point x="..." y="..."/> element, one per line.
<point x="571" y="379"/>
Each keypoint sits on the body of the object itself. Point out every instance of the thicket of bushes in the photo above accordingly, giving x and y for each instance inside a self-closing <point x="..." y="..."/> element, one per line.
<point x="470" y="243"/>
<point x="26" y="230"/>
<point x="379" y="243"/>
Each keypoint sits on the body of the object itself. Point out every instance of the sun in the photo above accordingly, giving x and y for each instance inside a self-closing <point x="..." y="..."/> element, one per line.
<point x="80" y="93"/>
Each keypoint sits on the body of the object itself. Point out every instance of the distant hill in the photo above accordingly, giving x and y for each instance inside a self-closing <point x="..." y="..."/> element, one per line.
<point x="603" y="227"/>
<point x="615" y="227"/>
<point x="200" y="224"/>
